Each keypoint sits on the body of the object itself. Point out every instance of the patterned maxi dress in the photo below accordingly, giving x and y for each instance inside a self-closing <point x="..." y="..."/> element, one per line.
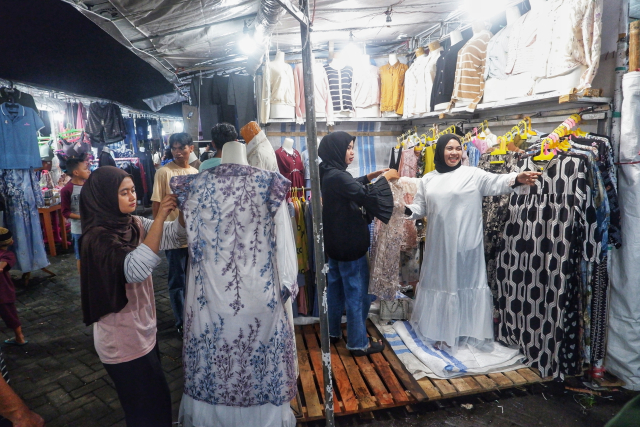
<point x="239" y="350"/>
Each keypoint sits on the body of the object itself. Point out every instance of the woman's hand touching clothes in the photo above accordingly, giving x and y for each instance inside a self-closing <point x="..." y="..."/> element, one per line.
<point x="167" y="205"/>
<point x="391" y="174"/>
<point x="528" y="178"/>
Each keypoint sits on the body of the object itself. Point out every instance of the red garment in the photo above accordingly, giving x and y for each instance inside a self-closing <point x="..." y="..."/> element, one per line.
<point x="9" y="315"/>
<point x="291" y="166"/>
<point x="7" y="290"/>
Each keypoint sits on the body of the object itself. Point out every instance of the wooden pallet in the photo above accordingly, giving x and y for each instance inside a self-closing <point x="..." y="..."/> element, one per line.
<point x="379" y="381"/>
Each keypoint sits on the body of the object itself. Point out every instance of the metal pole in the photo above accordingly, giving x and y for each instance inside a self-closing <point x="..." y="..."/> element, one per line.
<point x="318" y="241"/>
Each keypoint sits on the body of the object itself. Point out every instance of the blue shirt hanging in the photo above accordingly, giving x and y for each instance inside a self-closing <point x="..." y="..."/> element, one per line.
<point x="19" y="128"/>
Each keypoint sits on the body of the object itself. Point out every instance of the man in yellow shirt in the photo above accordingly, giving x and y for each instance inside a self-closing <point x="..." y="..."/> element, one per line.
<point x="181" y="145"/>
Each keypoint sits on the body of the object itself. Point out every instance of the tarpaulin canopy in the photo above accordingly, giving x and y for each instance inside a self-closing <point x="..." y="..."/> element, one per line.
<point x="178" y="36"/>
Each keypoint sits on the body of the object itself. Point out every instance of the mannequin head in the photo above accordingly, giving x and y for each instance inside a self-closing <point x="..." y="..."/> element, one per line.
<point x="433" y="46"/>
<point x="478" y="27"/>
<point x="279" y="56"/>
<point x="234" y="152"/>
<point x="249" y="131"/>
<point x="287" y="145"/>
<point x="393" y="59"/>
<point x="338" y="61"/>
<point x="419" y="51"/>
<point x="513" y="13"/>
<point x="455" y="36"/>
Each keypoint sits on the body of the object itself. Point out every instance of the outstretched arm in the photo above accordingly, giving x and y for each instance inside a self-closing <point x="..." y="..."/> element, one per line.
<point x="15" y="410"/>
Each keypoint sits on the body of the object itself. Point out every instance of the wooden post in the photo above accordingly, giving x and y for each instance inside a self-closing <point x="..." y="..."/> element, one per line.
<point x="318" y="238"/>
<point x="634" y="46"/>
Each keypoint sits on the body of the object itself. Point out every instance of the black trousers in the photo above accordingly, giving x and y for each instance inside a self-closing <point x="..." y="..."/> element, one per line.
<point x="143" y="390"/>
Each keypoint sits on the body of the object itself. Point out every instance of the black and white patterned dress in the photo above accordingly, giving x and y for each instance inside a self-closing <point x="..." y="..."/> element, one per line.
<point x="547" y="234"/>
<point x="495" y="211"/>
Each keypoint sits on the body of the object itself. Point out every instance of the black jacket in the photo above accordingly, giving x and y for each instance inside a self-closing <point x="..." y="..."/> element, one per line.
<point x="445" y="74"/>
<point x="105" y="124"/>
<point x="346" y="231"/>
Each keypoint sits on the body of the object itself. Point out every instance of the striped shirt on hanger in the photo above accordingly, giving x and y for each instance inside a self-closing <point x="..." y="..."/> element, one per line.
<point x="340" y="87"/>
<point x="469" y="82"/>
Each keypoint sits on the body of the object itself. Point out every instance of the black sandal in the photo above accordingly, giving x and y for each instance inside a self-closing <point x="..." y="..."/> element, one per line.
<point x="374" y="347"/>
<point x="334" y="340"/>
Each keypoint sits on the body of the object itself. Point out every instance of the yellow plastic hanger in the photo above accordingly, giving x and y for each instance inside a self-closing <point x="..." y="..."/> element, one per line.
<point x="579" y="133"/>
<point x="501" y="150"/>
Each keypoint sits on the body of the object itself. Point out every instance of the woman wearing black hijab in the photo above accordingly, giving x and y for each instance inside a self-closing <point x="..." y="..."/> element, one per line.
<point x="453" y="302"/>
<point x="348" y="206"/>
<point x="119" y="252"/>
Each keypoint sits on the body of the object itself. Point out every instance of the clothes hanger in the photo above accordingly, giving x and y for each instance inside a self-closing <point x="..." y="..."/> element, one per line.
<point x="501" y="150"/>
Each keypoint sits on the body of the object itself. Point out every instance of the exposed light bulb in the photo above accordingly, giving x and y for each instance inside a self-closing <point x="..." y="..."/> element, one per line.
<point x="247" y="44"/>
<point x="179" y="126"/>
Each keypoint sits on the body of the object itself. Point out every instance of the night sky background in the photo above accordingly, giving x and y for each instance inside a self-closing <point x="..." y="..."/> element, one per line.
<point x="49" y="43"/>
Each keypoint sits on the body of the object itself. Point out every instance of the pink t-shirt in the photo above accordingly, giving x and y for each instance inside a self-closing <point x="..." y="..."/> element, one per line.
<point x="131" y="333"/>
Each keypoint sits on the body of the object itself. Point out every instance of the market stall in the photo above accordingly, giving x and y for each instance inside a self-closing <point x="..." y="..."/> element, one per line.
<point x="64" y="126"/>
<point x="523" y="91"/>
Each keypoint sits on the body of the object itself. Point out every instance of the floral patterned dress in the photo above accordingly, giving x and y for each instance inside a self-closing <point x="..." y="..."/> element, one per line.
<point x="21" y="191"/>
<point x="239" y="348"/>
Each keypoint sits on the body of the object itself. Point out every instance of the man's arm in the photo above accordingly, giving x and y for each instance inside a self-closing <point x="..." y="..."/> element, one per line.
<point x="14" y="409"/>
<point x="159" y="189"/>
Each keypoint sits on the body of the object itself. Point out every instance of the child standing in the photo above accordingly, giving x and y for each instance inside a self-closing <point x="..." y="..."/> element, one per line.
<point x="8" y="311"/>
<point x="79" y="171"/>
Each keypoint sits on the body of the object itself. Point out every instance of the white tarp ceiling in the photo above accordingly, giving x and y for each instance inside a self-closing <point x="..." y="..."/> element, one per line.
<point x="178" y="36"/>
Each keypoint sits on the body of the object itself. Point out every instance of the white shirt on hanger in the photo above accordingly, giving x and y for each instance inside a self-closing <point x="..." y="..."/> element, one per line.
<point x="570" y="39"/>
<point x="418" y="83"/>
<point x="365" y="87"/>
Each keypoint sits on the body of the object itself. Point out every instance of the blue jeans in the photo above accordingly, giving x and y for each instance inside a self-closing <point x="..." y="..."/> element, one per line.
<point x="177" y="259"/>
<point x="76" y="244"/>
<point x="348" y="285"/>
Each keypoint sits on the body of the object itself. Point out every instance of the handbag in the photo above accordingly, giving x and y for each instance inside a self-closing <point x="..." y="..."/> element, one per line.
<point x="399" y="309"/>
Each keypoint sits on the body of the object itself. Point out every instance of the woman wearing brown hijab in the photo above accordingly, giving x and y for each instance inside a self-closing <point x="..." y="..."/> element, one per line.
<point x="119" y="252"/>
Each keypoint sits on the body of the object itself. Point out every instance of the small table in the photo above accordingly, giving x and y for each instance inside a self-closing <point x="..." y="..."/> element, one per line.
<point x="46" y="213"/>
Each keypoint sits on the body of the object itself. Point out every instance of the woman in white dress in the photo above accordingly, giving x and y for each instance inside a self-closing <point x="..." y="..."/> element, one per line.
<point x="453" y="302"/>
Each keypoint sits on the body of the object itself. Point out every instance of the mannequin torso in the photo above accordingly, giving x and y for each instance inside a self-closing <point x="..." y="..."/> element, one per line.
<point x="280" y="110"/>
<point x="234" y="152"/>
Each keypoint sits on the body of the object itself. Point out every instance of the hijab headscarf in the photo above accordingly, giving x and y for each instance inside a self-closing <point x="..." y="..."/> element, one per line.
<point x="438" y="158"/>
<point x="108" y="235"/>
<point x="333" y="150"/>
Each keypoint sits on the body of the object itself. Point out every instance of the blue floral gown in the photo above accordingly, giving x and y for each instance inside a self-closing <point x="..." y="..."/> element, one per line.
<point x="21" y="191"/>
<point x="239" y="350"/>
